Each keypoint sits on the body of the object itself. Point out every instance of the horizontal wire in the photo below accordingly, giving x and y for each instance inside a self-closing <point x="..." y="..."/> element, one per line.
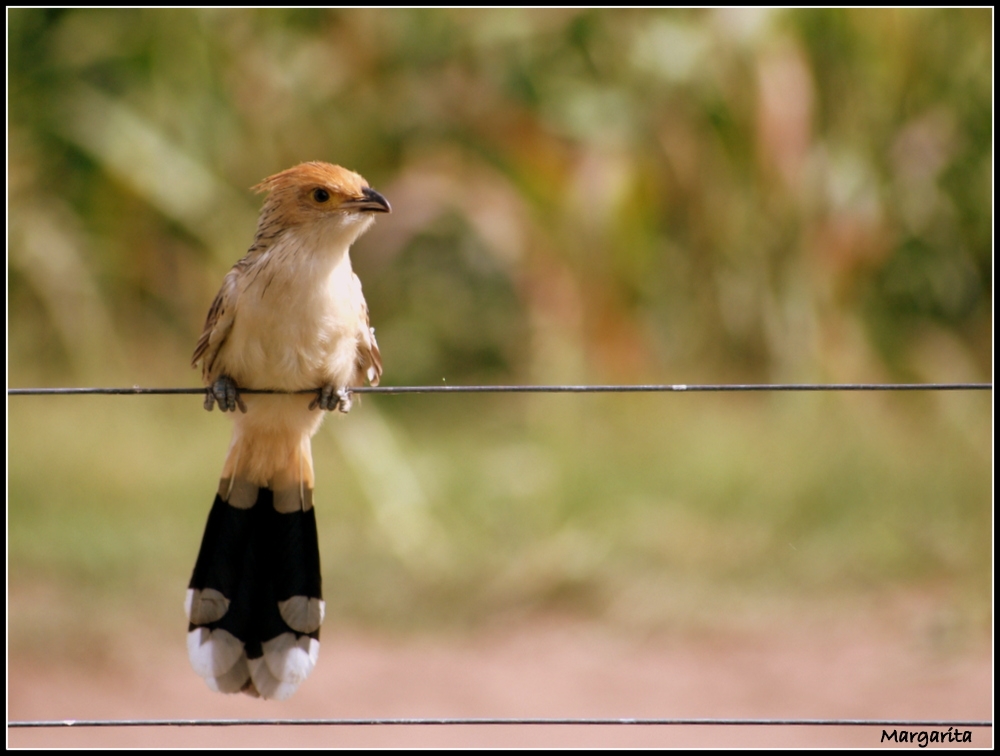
<point x="638" y="388"/>
<point x="499" y="721"/>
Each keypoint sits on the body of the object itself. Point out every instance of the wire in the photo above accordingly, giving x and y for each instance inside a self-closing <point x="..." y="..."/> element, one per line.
<point x="638" y="388"/>
<point x="922" y="724"/>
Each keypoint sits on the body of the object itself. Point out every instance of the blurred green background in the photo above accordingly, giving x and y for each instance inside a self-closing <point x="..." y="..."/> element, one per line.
<point x="578" y="196"/>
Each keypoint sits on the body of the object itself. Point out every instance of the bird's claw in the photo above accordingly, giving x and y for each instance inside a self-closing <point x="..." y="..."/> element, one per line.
<point x="225" y="392"/>
<point x="329" y="398"/>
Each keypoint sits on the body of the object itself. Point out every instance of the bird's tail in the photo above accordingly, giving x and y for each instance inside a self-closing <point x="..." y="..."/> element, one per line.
<point x="254" y="603"/>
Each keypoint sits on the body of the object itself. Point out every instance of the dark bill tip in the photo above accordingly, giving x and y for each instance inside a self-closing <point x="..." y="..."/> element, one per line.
<point x="371" y="201"/>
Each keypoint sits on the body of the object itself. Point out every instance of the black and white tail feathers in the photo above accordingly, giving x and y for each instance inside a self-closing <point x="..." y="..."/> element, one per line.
<point x="255" y="603"/>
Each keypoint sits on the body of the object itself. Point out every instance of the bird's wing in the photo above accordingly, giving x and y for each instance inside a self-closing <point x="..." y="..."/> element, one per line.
<point x="369" y="357"/>
<point x="218" y="324"/>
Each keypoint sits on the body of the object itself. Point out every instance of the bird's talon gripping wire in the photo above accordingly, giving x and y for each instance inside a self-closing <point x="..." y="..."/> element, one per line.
<point x="329" y="398"/>
<point x="225" y="392"/>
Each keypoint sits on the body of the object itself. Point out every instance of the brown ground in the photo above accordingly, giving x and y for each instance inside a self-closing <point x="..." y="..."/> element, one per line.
<point x="859" y="665"/>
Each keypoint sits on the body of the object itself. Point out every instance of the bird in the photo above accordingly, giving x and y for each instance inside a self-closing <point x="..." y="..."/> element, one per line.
<point x="290" y="317"/>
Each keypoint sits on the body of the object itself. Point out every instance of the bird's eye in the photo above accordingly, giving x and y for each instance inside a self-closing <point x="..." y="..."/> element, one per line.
<point x="321" y="195"/>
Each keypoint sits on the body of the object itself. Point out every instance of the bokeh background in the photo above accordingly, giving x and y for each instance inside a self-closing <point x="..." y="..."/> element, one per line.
<point x="578" y="197"/>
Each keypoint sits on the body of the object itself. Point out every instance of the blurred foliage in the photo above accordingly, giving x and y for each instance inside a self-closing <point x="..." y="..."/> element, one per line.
<point x="578" y="194"/>
<point x="629" y="196"/>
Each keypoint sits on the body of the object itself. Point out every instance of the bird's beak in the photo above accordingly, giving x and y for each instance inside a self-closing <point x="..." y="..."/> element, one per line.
<point x="370" y="201"/>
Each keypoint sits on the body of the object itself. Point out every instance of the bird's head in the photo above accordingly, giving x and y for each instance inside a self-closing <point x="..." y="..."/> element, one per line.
<point x="325" y="196"/>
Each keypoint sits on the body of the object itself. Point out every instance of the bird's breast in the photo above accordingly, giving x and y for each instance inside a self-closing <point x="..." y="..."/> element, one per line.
<point x="296" y="326"/>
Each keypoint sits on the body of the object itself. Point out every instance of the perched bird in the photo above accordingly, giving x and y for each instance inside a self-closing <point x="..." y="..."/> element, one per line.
<point x="290" y="316"/>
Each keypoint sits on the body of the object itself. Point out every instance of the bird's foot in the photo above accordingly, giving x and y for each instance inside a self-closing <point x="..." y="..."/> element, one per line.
<point x="225" y="392"/>
<point x="330" y="399"/>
